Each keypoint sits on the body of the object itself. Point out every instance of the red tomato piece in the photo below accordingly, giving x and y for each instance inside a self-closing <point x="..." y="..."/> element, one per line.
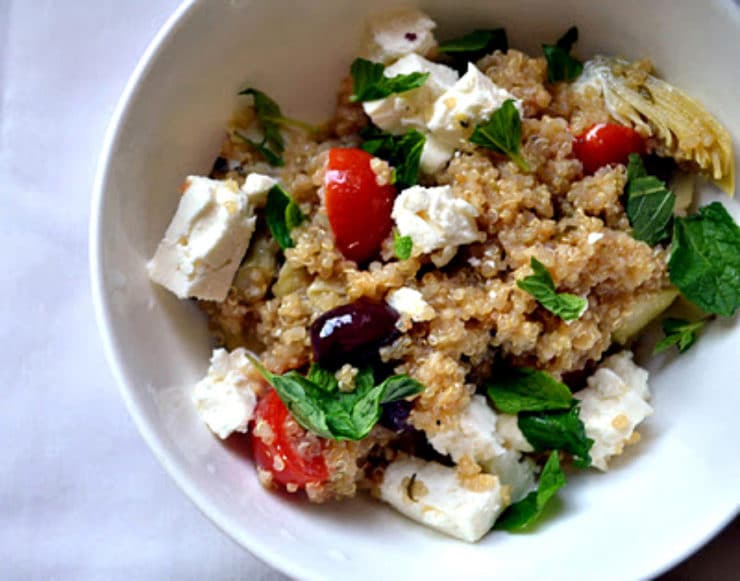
<point x="606" y="143"/>
<point x="283" y="448"/>
<point x="359" y="209"/>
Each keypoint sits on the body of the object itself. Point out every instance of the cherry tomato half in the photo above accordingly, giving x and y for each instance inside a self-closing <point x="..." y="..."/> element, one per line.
<point x="359" y="209"/>
<point x="282" y="448"/>
<point x="606" y="143"/>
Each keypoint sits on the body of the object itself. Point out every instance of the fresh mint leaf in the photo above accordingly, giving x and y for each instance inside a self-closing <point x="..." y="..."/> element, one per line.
<point x="522" y="514"/>
<point x="272" y="158"/>
<point x="364" y="379"/>
<point x="561" y="66"/>
<point x="557" y="430"/>
<point x="318" y="406"/>
<point x="528" y="390"/>
<point x="649" y="203"/>
<point x="293" y="215"/>
<point x="370" y="83"/>
<point x="403" y="152"/>
<point x="268" y="115"/>
<point x="503" y="134"/>
<point x="399" y="387"/>
<point x="474" y="45"/>
<point x="635" y="167"/>
<point x="282" y="215"/>
<point x="322" y="378"/>
<point x="301" y="396"/>
<point x="541" y="286"/>
<point x="705" y="259"/>
<point x="679" y="332"/>
<point x="403" y="245"/>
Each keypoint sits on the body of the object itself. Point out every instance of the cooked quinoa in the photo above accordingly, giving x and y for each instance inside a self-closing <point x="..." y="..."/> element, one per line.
<point x="474" y="320"/>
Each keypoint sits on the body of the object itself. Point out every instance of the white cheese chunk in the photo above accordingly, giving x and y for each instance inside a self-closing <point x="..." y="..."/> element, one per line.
<point x="411" y="109"/>
<point x="435" y="220"/>
<point x="224" y="397"/>
<point x="513" y="470"/>
<point x="409" y="303"/>
<point x="507" y="425"/>
<point x="391" y="35"/>
<point x="475" y="436"/>
<point x="478" y="436"/>
<point x="432" y="495"/>
<point x="206" y="240"/>
<point x="612" y="405"/>
<point x="256" y="187"/>
<point x="435" y="154"/>
<point x="471" y="100"/>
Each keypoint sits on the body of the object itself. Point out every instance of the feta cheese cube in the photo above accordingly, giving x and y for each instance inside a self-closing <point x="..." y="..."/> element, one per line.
<point x="256" y="187"/>
<point x="433" y="495"/>
<point x="612" y="405"/>
<point x="471" y="100"/>
<point x="435" y="220"/>
<point x="478" y="436"/>
<point x="410" y="304"/>
<point x="224" y="397"/>
<point x="507" y="425"/>
<point x="206" y="240"/>
<point x="391" y="35"/>
<point x="474" y="436"/>
<point x="513" y="470"/>
<point x="435" y="154"/>
<point x="411" y="109"/>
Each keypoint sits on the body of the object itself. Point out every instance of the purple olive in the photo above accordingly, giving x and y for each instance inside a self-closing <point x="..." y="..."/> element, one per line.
<point x="396" y="415"/>
<point x="337" y="335"/>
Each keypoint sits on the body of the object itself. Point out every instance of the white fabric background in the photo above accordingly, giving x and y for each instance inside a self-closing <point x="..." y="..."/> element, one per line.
<point x="80" y="495"/>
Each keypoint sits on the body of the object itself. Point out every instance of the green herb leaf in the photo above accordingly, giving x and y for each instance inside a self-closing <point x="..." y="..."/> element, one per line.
<point x="635" y="167"/>
<point x="705" y="259"/>
<point x="370" y="83"/>
<point x="318" y="406"/>
<point x="649" y="203"/>
<point x="561" y="66"/>
<point x="301" y="396"/>
<point x="528" y="390"/>
<point x="524" y="513"/>
<point x="403" y="152"/>
<point x="282" y="215"/>
<point x="541" y="286"/>
<point x="268" y="115"/>
<point x="322" y="378"/>
<point x="679" y="332"/>
<point x="558" y="430"/>
<point x="403" y="245"/>
<point x="503" y="134"/>
<point x="272" y="158"/>
<point x="399" y="387"/>
<point x="476" y="44"/>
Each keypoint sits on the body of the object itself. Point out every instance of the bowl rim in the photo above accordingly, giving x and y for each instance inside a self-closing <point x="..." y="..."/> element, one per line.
<point x="243" y="537"/>
<point x="250" y="542"/>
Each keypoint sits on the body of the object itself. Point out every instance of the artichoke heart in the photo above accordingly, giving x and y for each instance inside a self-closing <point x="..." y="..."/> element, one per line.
<point x="685" y="130"/>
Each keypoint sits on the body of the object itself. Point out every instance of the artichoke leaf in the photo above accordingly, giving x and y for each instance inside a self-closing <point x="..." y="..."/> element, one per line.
<point x="643" y="310"/>
<point x="683" y="127"/>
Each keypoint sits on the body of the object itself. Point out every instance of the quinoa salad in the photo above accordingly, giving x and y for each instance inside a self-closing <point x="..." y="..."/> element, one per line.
<point x="434" y="297"/>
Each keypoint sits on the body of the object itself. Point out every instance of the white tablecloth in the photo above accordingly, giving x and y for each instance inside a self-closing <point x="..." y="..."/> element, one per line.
<point x="80" y="495"/>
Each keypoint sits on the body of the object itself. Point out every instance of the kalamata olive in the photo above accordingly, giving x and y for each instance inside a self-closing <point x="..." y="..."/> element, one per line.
<point x="396" y="414"/>
<point x="337" y="335"/>
<point x="220" y="167"/>
<point x="660" y="167"/>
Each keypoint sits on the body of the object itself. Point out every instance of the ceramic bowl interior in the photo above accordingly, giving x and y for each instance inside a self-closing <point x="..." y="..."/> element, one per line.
<point x="657" y="504"/>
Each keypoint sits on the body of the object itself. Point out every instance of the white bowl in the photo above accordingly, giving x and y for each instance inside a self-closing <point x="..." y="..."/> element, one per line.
<point x="660" y="502"/>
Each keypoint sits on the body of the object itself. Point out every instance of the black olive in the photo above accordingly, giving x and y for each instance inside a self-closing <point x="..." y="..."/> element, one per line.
<point x="343" y="334"/>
